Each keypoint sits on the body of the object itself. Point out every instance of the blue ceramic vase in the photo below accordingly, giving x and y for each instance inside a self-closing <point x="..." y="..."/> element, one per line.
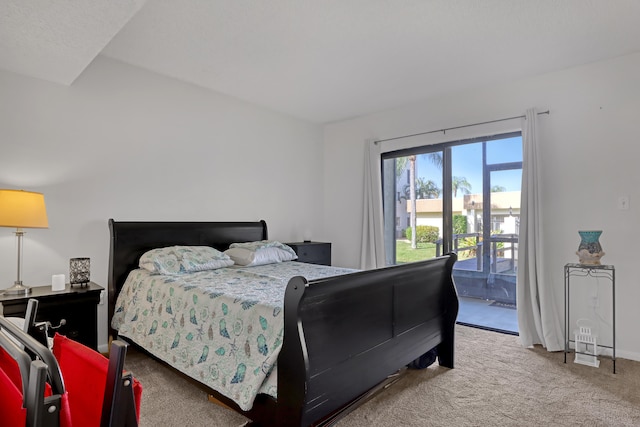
<point x="590" y="251"/>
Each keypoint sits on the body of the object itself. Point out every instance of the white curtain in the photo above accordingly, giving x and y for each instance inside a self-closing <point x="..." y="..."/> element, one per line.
<point x="372" y="250"/>
<point x="538" y="320"/>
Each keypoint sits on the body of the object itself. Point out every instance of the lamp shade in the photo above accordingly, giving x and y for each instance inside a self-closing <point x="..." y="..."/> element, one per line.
<point x="22" y="209"/>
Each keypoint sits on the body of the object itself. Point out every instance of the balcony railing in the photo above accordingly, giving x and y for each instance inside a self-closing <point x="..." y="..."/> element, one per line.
<point x="503" y="250"/>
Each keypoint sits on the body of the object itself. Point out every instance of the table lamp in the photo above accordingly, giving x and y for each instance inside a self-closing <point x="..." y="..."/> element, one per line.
<point x="21" y="209"/>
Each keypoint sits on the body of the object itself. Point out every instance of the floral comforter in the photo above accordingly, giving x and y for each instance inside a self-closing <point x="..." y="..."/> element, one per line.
<point x="222" y="327"/>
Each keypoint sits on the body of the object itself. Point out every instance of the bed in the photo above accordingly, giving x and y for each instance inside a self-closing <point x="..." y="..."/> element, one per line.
<point x="341" y="335"/>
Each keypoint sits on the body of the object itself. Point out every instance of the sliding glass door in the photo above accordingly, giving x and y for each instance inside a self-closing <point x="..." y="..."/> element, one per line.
<point x="464" y="197"/>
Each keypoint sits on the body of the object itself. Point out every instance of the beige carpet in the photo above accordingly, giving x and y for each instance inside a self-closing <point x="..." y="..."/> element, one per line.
<point x="496" y="382"/>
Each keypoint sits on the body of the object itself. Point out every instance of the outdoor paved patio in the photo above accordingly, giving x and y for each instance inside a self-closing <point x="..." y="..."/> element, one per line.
<point x="479" y="312"/>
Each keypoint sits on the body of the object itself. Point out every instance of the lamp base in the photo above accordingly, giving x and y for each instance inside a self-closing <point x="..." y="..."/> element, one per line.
<point x="17" y="289"/>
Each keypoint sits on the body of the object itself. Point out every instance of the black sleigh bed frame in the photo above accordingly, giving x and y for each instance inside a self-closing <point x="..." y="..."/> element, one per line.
<point x="343" y="335"/>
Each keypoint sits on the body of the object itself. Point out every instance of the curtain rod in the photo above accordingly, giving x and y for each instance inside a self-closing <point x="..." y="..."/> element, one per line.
<point x="444" y="131"/>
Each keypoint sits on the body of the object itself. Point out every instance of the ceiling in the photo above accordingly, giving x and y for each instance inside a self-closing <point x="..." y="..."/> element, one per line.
<point x="319" y="60"/>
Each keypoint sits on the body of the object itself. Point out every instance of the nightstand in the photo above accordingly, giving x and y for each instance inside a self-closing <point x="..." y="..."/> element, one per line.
<point x="312" y="252"/>
<point x="78" y="305"/>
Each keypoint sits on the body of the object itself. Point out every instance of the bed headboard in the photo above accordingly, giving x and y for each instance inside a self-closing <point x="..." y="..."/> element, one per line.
<point x="131" y="239"/>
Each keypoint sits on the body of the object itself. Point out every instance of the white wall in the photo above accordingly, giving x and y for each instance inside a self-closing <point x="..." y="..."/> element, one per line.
<point x="127" y="144"/>
<point x="589" y="146"/>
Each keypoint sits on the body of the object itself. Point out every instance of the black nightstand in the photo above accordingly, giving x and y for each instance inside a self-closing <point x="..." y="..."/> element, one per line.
<point x="312" y="252"/>
<point x="77" y="305"/>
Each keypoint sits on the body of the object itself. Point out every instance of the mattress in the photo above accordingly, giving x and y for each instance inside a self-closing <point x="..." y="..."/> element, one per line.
<point x="222" y="327"/>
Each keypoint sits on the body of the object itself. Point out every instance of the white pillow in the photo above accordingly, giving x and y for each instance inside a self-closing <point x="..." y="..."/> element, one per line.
<point x="174" y="260"/>
<point x="260" y="253"/>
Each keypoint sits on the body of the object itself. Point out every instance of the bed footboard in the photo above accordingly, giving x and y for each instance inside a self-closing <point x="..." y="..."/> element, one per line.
<point x="344" y="335"/>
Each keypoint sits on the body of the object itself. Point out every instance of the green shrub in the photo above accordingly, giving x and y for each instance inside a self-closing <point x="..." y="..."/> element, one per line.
<point x="499" y="245"/>
<point x="424" y="233"/>
<point x="469" y="242"/>
<point x="459" y="224"/>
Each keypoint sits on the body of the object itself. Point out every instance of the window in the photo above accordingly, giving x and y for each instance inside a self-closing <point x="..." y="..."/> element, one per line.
<point x="461" y="196"/>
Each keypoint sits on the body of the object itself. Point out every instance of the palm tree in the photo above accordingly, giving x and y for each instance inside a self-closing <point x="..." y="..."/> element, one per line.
<point x="436" y="159"/>
<point x="401" y="165"/>
<point x="425" y="189"/>
<point x="498" y="189"/>
<point x="460" y="183"/>
<point x="430" y="190"/>
<point x="412" y="195"/>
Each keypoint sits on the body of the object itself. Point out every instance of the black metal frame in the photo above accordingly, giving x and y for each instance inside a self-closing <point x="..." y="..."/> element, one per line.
<point x="588" y="270"/>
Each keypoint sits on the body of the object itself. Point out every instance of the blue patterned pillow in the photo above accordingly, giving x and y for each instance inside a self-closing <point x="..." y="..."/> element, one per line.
<point x="174" y="260"/>
<point x="260" y="253"/>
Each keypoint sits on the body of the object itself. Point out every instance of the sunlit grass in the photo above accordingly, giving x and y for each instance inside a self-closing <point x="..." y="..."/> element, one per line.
<point x="404" y="253"/>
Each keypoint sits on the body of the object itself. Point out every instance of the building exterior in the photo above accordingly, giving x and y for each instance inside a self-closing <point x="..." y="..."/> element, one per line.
<point x="505" y="212"/>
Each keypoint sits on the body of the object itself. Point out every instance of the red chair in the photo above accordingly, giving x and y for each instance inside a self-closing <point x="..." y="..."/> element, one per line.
<point x="99" y="393"/>
<point x="26" y="399"/>
<point x="13" y="406"/>
<point x="73" y="386"/>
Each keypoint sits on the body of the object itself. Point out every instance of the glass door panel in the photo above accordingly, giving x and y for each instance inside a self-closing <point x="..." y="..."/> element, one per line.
<point x="504" y="215"/>
<point x="487" y="176"/>
<point x="413" y="207"/>
<point x="464" y="197"/>
<point x="467" y="220"/>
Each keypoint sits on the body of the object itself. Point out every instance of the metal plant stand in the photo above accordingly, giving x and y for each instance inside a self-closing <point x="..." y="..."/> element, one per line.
<point x="597" y="271"/>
